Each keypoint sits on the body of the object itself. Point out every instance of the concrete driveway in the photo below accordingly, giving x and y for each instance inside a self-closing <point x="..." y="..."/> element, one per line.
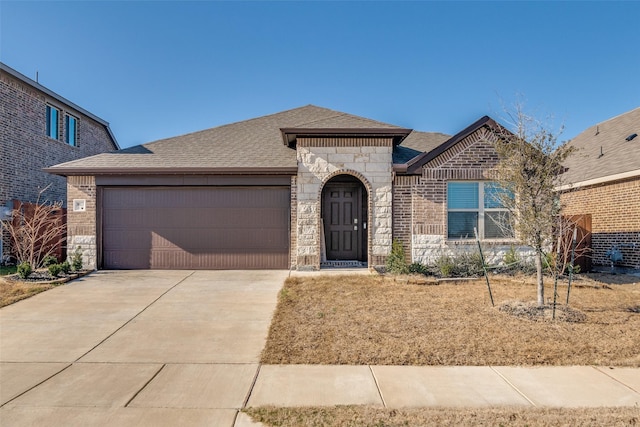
<point x="136" y="348"/>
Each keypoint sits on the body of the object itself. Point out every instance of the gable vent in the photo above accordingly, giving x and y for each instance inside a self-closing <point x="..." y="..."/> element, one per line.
<point x="630" y="137"/>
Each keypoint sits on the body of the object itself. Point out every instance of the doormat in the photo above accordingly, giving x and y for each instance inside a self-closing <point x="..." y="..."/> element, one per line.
<point x="343" y="264"/>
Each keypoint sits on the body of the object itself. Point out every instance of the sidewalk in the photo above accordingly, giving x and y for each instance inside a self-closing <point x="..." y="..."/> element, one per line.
<point x="449" y="386"/>
<point x="397" y="387"/>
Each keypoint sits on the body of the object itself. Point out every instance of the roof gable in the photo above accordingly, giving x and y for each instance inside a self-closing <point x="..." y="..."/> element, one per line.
<point x="414" y="165"/>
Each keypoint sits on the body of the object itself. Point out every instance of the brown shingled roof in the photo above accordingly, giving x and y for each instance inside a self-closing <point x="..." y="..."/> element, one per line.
<point x="603" y="150"/>
<point x="417" y="143"/>
<point x="250" y="146"/>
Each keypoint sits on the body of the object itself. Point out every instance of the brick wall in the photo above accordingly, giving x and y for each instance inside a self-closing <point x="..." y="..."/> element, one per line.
<point x="25" y="149"/>
<point x="81" y="228"/>
<point x="420" y="209"/>
<point x="615" y="218"/>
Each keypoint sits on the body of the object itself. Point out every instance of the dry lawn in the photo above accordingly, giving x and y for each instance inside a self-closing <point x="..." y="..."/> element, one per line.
<point x="376" y="320"/>
<point x="359" y="416"/>
<point x="13" y="291"/>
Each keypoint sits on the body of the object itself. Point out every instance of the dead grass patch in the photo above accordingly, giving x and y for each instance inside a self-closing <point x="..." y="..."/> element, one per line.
<point x="357" y="416"/>
<point x="375" y="320"/>
<point x="12" y="291"/>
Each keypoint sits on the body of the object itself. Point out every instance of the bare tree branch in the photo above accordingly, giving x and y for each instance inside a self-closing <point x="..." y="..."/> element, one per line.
<point x="36" y="230"/>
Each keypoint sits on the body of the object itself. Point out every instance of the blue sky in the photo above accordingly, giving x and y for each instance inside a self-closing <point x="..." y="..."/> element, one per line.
<point x="156" y="69"/>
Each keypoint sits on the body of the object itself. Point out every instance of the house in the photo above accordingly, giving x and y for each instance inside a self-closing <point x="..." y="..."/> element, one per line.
<point x="300" y="189"/>
<point x="38" y="129"/>
<point x="603" y="185"/>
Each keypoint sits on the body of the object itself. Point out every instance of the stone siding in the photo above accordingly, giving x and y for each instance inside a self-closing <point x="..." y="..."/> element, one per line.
<point x="426" y="249"/>
<point x="319" y="160"/>
<point x="293" y="248"/>
<point x="615" y="218"/>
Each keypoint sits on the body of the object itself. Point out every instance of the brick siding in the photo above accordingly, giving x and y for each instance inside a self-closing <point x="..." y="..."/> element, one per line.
<point x="25" y="149"/>
<point x="81" y="231"/>
<point x="615" y="218"/>
<point x="420" y="202"/>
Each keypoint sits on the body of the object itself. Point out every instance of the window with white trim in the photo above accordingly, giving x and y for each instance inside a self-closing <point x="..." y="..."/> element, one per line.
<point x="477" y="204"/>
<point x="53" y="126"/>
<point x="71" y="130"/>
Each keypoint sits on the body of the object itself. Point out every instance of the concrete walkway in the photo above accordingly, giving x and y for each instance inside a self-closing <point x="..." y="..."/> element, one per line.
<point x="134" y="348"/>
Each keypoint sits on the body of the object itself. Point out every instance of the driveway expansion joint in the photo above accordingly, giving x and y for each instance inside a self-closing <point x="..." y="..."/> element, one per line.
<point x="253" y="384"/>
<point x="144" y="386"/>
<point x="36" y="385"/>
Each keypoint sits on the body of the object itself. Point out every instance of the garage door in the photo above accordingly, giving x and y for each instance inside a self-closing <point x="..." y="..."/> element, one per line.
<point x="195" y="227"/>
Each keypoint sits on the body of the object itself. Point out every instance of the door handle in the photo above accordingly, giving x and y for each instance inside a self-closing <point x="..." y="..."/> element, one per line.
<point x="355" y="227"/>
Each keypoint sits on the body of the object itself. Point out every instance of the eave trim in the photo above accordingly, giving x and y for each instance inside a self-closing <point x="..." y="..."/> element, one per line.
<point x="171" y="171"/>
<point x="289" y="135"/>
<point x="600" y="180"/>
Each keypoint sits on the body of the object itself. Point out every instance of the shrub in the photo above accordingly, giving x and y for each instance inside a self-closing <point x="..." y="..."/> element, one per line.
<point x="76" y="260"/>
<point x="466" y="264"/>
<point x="396" y="263"/>
<point x="49" y="260"/>
<point x="55" y="269"/>
<point x="66" y="267"/>
<point x="511" y="258"/>
<point x="444" y="266"/>
<point x="24" y="270"/>
<point x="419" y="268"/>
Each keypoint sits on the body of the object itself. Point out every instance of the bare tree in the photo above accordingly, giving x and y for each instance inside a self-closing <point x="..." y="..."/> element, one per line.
<point x="36" y="230"/>
<point x="529" y="169"/>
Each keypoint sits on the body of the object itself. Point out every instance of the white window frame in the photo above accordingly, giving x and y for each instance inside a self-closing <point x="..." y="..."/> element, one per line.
<point x="480" y="210"/>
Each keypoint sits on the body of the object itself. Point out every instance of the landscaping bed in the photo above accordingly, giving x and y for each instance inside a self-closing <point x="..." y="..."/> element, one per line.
<point x="384" y="321"/>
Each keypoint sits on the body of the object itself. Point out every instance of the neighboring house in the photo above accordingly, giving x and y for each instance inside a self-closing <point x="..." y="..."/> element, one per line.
<point x="38" y="129"/>
<point x="298" y="189"/>
<point x="603" y="184"/>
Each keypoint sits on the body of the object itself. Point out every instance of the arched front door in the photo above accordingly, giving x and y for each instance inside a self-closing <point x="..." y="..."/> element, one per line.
<point x="345" y="216"/>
